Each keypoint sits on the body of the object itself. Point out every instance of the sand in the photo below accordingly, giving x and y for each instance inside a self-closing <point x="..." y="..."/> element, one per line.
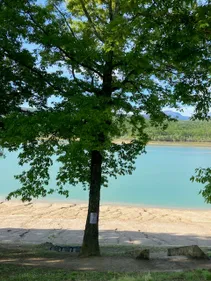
<point x="63" y="224"/>
<point x="202" y="144"/>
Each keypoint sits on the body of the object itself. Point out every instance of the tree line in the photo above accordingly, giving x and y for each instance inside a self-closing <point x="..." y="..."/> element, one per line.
<point x="174" y="131"/>
<point x="184" y="131"/>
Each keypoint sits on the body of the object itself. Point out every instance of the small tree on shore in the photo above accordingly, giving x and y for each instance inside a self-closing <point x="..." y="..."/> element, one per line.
<point x="203" y="175"/>
<point x="101" y="61"/>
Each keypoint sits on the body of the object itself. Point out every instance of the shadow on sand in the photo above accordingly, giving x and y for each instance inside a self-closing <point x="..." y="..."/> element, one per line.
<point x="16" y="247"/>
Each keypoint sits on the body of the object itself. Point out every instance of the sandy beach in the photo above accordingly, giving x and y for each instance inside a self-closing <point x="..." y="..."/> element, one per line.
<point x="63" y="224"/>
<point x="202" y="144"/>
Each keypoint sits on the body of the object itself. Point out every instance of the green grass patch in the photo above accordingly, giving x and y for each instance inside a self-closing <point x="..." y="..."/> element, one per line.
<point x="13" y="272"/>
<point x="24" y="273"/>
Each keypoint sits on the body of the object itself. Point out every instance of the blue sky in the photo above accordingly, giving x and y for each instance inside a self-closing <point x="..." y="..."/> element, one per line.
<point x="41" y="1"/>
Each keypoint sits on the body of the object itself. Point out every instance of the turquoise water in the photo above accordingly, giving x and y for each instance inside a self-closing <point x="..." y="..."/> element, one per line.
<point x="161" y="179"/>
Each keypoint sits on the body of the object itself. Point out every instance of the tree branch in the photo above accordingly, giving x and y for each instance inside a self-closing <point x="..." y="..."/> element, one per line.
<point x="32" y="69"/>
<point x="87" y="87"/>
<point x="65" y="20"/>
<point x="101" y="20"/>
<point x="71" y="57"/>
<point x="90" y="21"/>
<point x="73" y="73"/>
<point x="117" y="6"/>
<point x="84" y="85"/>
<point x="126" y="80"/>
<point x="110" y="10"/>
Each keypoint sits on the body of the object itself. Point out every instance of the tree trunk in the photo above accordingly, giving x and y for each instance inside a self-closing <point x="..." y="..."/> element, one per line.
<point x="90" y="246"/>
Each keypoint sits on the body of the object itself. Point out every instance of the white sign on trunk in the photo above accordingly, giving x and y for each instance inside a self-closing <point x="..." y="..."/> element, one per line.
<point x="93" y="218"/>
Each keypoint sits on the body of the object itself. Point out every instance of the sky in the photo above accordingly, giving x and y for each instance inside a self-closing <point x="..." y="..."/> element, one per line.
<point x="41" y="1"/>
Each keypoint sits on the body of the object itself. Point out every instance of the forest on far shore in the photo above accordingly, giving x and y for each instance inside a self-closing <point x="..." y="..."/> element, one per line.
<point x="184" y="131"/>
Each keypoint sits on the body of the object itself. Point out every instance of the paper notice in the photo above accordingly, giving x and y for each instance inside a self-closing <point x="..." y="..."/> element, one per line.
<point x="93" y="218"/>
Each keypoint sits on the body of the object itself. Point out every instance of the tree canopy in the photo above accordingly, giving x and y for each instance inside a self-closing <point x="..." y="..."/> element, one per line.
<point x="98" y="61"/>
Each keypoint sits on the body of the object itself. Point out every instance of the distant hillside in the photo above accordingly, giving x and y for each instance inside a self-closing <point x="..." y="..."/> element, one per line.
<point x="176" y="115"/>
<point x="173" y="114"/>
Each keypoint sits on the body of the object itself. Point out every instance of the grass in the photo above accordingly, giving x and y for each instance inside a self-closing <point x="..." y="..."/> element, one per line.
<point x="13" y="272"/>
<point x="24" y="273"/>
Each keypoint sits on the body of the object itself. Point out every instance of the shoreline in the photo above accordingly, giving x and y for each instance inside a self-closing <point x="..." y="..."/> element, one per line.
<point x="186" y="144"/>
<point x="169" y="143"/>
<point x="102" y="204"/>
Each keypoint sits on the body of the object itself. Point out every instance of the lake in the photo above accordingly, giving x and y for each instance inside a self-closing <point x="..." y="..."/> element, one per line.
<point x="161" y="179"/>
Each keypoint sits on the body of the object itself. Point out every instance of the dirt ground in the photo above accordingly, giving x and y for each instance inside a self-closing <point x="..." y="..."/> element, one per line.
<point x="23" y="227"/>
<point x="115" y="259"/>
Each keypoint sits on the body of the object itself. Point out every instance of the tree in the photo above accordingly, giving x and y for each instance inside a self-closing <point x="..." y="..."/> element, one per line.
<point x="203" y="175"/>
<point x="103" y="60"/>
<point x="19" y="80"/>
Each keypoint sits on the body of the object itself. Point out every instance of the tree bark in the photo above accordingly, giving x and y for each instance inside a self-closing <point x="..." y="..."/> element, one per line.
<point x="90" y="246"/>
